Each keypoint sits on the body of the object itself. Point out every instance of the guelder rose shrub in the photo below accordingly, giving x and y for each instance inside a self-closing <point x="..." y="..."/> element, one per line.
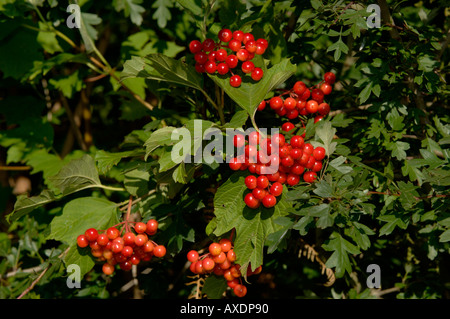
<point x="224" y="149"/>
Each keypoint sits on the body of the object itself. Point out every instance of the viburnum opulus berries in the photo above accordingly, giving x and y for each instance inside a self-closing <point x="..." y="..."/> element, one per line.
<point x="220" y="260"/>
<point x="124" y="247"/>
<point x="232" y="53"/>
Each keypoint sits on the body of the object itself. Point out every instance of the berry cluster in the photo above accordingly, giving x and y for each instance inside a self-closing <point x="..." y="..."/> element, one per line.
<point x="220" y="260"/>
<point x="303" y="100"/>
<point x="293" y="158"/>
<point x="225" y="55"/>
<point x="125" y="250"/>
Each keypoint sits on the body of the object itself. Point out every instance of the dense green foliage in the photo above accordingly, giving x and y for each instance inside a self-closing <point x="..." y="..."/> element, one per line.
<point x="86" y="116"/>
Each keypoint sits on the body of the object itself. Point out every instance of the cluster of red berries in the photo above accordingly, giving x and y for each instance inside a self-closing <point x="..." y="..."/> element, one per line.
<point x="220" y="260"/>
<point x="127" y="250"/>
<point x="303" y="100"/>
<point x="292" y="159"/>
<point x="212" y="57"/>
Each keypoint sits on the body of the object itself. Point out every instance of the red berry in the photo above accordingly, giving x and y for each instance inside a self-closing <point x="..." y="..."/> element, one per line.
<point x="235" y="45"/>
<point x="297" y="141"/>
<point x="221" y="55"/>
<point x="323" y="109"/>
<point x="251" y="201"/>
<point x="317" y="166"/>
<point x="239" y="140"/>
<point x="276" y="103"/>
<point x="257" y="74"/>
<point x="247" y="66"/>
<point x="278" y="139"/>
<point x="232" y="61"/>
<point x="276" y="189"/>
<point x="290" y="103"/>
<point x="238" y="35"/>
<point x="319" y="153"/>
<point x="208" y="45"/>
<point x="317" y="95"/>
<point x="159" y="251"/>
<point x="200" y="68"/>
<point x="329" y="77"/>
<point x="242" y="54"/>
<point x="192" y="256"/>
<point x="263" y="43"/>
<point x="235" y="164"/>
<point x="292" y="179"/>
<point x="250" y="46"/>
<point x="287" y="126"/>
<point x="292" y="114"/>
<point x="259" y="193"/>
<point x="140" y="227"/>
<point x="102" y="239"/>
<point x="269" y="201"/>
<point x="208" y="264"/>
<point x="201" y="57"/>
<point x="152" y="226"/>
<point x="312" y="106"/>
<point x="91" y="234"/>
<point x="108" y="269"/>
<point x="215" y="249"/>
<point x="299" y="87"/>
<point x="310" y="176"/>
<point x="82" y="241"/>
<point x="235" y="81"/>
<point x="129" y="238"/>
<point x="195" y="46"/>
<point x="262" y="105"/>
<point x="262" y="181"/>
<point x="297" y="169"/>
<point x="112" y="233"/>
<point x="225" y="35"/>
<point x="308" y="148"/>
<point x="251" y="182"/>
<point x="326" y="88"/>
<point x="222" y="68"/>
<point x="240" y="290"/>
<point x="210" y="67"/>
<point x="225" y="244"/>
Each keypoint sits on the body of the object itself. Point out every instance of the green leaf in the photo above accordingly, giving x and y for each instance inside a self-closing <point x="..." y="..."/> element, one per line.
<point x="162" y="68"/>
<point x="79" y="257"/>
<point x="325" y="132"/>
<point x="77" y="175"/>
<point x="162" y="13"/>
<point x="25" y="204"/>
<point x="67" y="84"/>
<point x="136" y="181"/>
<point x="252" y="225"/>
<point x="214" y="287"/>
<point x="106" y="160"/>
<point x="160" y="137"/>
<point x="81" y="214"/>
<point x="251" y="93"/>
<point x="238" y="120"/>
<point x="445" y="236"/>
<point x="131" y="9"/>
<point x="391" y="222"/>
<point x="398" y="149"/>
<point x="337" y="164"/>
<point x="365" y="93"/>
<point x="339" y="258"/>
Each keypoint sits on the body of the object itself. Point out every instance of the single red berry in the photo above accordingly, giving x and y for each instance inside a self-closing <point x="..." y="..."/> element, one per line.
<point x="250" y="46"/>
<point x="108" y="269"/>
<point x="318" y="118"/>
<point x="232" y="61"/>
<point x="269" y="201"/>
<point x="215" y="249"/>
<point x="112" y="233"/>
<point x="192" y="256"/>
<point x="323" y="109"/>
<point x="262" y="181"/>
<point x="201" y="57"/>
<point x="195" y="46"/>
<point x="260" y="49"/>
<point x="319" y="153"/>
<point x="299" y="87"/>
<point x="222" y="68"/>
<point x="312" y="106"/>
<point x="276" y="189"/>
<point x="225" y="244"/>
<point x="208" y="45"/>
<point x="140" y="227"/>
<point x="308" y="148"/>
<point x="310" y="176"/>
<point x="152" y="226"/>
<point x="290" y="103"/>
<point x="238" y="35"/>
<point x="240" y="290"/>
<point x="317" y="94"/>
<point x="242" y="55"/>
<point x="129" y="238"/>
<point x="297" y="141"/>
<point x="239" y="140"/>
<point x="231" y="256"/>
<point x="221" y="55"/>
<point x="102" y="239"/>
<point x="259" y="193"/>
<point x="262" y="105"/>
<point x="292" y="179"/>
<point x="297" y="169"/>
<point x="251" y="182"/>
<point x="91" y="234"/>
<point x="278" y="139"/>
<point x="235" y="45"/>
<point x="291" y="114"/>
<point x="329" y="77"/>
<point x="208" y="264"/>
<point x="235" y="81"/>
<point x="235" y="164"/>
<point x="82" y="241"/>
<point x="225" y="35"/>
<point x="210" y="67"/>
<point x="276" y="102"/>
<point x="140" y="240"/>
<point x="251" y="201"/>
<point x="326" y="88"/>
<point x="317" y="166"/>
<point x="159" y="251"/>
<point x="257" y="74"/>
<point x="296" y="153"/>
<point x="200" y="68"/>
<point x="263" y="42"/>
<point x="247" y="66"/>
<point x="233" y="283"/>
<point x="287" y="126"/>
